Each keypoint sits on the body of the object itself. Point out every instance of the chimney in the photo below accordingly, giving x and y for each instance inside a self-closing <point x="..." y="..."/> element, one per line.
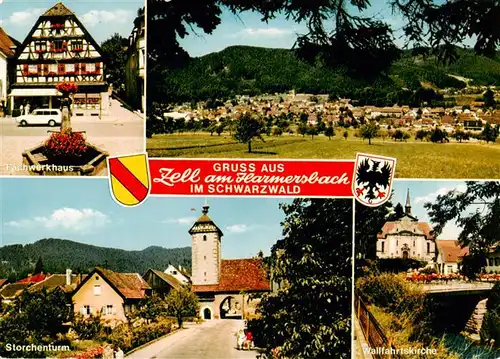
<point x="68" y="276"/>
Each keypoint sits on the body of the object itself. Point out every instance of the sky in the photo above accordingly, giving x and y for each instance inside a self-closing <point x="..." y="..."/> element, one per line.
<point x="82" y="210"/>
<point x="422" y="192"/>
<point x="248" y="29"/>
<point x="102" y="18"/>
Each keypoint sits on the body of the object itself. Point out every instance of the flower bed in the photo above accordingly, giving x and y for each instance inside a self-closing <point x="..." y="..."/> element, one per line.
<point x="91" y="353"/>
<point x="429" y="278"/>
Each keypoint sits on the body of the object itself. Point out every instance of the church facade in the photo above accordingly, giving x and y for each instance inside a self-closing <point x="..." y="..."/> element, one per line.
<point x="406" y="237"/>
<point x="223" y="286"/>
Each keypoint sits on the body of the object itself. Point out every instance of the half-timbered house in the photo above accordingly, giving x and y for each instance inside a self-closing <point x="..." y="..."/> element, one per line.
<point x="59" y="48"/>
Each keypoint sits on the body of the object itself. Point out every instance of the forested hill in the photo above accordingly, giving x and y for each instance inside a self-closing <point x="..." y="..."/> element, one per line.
<point x="58" y="254"/>
<point x="254" y="70"/>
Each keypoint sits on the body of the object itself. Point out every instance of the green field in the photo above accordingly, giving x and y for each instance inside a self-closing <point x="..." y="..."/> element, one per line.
<point x="415" y="159"/>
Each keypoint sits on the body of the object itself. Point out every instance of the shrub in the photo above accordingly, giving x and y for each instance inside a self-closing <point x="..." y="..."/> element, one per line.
<point x="66" y="144"/>
<point x="121" y="337"/>
<point x="149" y="332"/>
<point x="87" y="328"/>
<point x="391" y="291"/>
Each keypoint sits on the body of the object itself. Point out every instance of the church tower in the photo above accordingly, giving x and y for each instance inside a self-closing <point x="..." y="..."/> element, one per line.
<point x="205" y="250"/>
<point x="408" y="204"/>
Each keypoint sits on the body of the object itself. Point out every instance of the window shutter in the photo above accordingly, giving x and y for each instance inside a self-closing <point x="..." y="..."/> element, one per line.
<point x="82" y="68"/>
<point x="77" y="68"/>
<point x="39" y="66"/>
<point x="114" y="309"/>
<point x="45" y="69"/>
<point x="82" y="310"/>
<point x="25" y="69"/>
<point x="61" y="69"/>
<point x="97" y="67"/>
<point x="103" y="310"/>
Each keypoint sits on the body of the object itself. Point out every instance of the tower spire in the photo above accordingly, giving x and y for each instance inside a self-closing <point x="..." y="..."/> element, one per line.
<point x="408" y="204"/>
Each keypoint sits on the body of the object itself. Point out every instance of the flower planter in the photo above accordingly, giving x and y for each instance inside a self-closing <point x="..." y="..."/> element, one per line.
<point x="90" y="164"/>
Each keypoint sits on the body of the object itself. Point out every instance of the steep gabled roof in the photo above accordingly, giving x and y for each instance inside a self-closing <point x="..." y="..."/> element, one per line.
<point x="6" y="42"/>
<point x="34" y="278"/>
<point x="13" y="289"/>
<point x="450" y="250"/>
<point x="170" y="280"/>
<point x="2" y="282"/>
<point x="204" y="224"/>
<point x="239" y="275"/>
<point x="59" y="280"/>
<point x="127" y="285"/>
<point x="58" y="9"/>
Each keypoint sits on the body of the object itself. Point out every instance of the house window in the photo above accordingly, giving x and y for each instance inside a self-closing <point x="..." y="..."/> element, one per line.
<point x="204" y="238"/>
<point x="205" y="274"/>
<point x="205" y="257"/>
<point x="96" y="277"/>
<point x="40" y="46"/>
<point x="497" y="261"/>
<point x="85" y="310"/>
<point x="428" y="248"/>
<point x="174" y="272"/>
<point x="397" y="242"/>
<point x="58" y="46"/>
<point x="383" y="247"/>
<point x="109" y="309"/>
<point x="487" y="262"/>
<point x="76" y="45"/>
<point x="90" y="67"/>
<point x="97" y="289"/>
<point x="53" y="70"/>
<point x="33" y="69"/>
<point x="69" y="68"/>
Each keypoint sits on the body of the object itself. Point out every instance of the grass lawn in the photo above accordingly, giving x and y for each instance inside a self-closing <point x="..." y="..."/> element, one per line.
<point x="415" y="159"/>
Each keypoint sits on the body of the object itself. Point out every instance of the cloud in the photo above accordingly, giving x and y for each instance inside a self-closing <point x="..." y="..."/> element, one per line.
<point x="77" y="220"/>
<point x="181" y="221"/>
<point x="441" y="191"/>
<point x="94" y="17"/>
<point x="238" y="228"/>
<point x="22" y="17"/>
<point x="263" y="32"/>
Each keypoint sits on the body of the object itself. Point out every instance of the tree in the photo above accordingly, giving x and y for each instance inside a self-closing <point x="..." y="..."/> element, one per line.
<point x="489" y="134"/>
<point x="369" y="222"/>
<point x="330" y="132"/>
<point x="38" y="266"/>
<point x="151" y="309"/>
<point x="475" y="210"/>
<point x="438" y="135"/>
<point x="116" y="59"/>
<point x="489" y="98"/>
<point x="460" y="135"/>
<point x="302" y="129"/>
<point x="312" y="131"/>
<point x="310" y="317"/>
<point x="346" y="134"/>
<point x="421" y="135"/>
<point x="247" y="128"/>
<point x="369" y="131"/>
<point x="219" y="129"/>
<point x="182" y="303"/>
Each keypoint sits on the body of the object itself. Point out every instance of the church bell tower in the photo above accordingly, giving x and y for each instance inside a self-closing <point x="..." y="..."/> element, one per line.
<point x="205" y="250"/>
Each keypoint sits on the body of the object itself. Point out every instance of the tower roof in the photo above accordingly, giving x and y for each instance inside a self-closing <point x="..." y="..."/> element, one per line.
<point x="58" y="9"/>
<point x="408" y="203"/>
<point x="205" y="224"/>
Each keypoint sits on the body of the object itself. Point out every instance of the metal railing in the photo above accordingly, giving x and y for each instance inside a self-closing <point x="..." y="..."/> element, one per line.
<point x="381" y="346"/>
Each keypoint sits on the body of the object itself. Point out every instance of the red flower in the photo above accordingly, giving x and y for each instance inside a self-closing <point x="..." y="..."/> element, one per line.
<point x="67" y="87"/>
<point x="66" y="144"/>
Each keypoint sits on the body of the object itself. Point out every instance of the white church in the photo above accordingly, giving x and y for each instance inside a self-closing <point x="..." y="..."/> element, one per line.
<point x="407" y="238"/>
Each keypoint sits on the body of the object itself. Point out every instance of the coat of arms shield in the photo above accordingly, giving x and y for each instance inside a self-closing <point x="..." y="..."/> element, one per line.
<point x="372" y="179"/>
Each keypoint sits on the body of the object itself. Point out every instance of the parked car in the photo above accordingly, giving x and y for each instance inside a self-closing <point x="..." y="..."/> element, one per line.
<point x="41" y="116"/>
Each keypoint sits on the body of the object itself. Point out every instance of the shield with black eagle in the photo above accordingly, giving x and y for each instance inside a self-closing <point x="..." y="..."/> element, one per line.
<point x="372" y="179"/>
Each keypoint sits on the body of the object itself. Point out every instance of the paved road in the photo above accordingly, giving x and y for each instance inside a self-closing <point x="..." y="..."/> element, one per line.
<point x="210" y="340"/>
<point x="119" y="133"/>
<point x="93" y="129"/>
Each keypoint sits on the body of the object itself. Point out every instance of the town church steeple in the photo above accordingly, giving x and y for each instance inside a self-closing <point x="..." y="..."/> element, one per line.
<point x="408" y="204"/>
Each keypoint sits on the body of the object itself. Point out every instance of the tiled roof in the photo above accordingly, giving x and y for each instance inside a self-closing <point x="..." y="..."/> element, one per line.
<point x="172" y="281"/>
<point x="450" y="250"/>
<point x="5" y="43"/>
<point x="58" y="9"/>
<point x="239" y="275"/>
<point x="13" y="289"/>
<point x="34" y="278"/>
<point x="129" y="285"/>
<point x="59" y="280"/>
<point x="393" y="227"/>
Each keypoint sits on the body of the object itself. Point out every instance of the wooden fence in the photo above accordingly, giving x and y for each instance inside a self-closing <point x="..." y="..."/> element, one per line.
<point x="381" y="346"/>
